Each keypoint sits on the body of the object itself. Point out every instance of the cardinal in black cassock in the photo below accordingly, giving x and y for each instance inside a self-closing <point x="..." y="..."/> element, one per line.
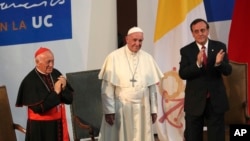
<point x="45" y="91"/>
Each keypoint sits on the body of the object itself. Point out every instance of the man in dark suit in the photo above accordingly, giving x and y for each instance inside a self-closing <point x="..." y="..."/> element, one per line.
<point x="202" y="64"/>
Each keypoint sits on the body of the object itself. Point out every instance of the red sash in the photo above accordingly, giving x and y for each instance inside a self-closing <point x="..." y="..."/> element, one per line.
<point x="53" y="114"/>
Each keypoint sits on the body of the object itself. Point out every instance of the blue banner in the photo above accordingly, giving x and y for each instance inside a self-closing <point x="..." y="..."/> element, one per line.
<point x="29" y="21"/>
<point x="219" y="10"/>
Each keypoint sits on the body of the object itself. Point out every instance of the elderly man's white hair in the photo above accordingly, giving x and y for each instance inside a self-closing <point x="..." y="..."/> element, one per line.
<point x="134" y="29"/>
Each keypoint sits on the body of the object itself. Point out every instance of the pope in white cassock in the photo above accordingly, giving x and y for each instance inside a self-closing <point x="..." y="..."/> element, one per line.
<point x="129" y="77"/>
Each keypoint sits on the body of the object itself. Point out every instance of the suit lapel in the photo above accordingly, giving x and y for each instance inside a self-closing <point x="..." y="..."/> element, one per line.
<point x="211" y="51"/>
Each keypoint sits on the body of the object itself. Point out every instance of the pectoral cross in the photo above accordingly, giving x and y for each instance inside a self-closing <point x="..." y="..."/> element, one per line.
<point x="133" y="81"/>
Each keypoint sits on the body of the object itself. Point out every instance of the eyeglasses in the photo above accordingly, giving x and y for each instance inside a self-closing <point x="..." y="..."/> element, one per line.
<point x="201" y="30"/>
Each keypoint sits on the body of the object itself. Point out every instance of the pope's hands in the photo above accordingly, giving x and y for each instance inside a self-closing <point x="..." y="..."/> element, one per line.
<point x="154" y="117"/>
<point x="110" y="118"/>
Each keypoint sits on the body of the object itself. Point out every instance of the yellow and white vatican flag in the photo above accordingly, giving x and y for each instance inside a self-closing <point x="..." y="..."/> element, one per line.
<point x="172" y="32"/>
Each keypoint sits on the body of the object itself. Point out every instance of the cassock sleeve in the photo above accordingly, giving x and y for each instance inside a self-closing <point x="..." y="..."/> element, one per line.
<point x="153" y="98"/>
<point x="53" y="100"/>
<point x="67" y="94"/>
<point x="108" y="97"/>
<point x="49" y="102"/>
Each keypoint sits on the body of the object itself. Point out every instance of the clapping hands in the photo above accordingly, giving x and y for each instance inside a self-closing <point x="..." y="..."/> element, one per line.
<point x="60" y="84"/>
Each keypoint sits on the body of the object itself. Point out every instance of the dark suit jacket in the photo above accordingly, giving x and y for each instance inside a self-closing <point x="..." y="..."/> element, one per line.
<point x="201" y="80"/>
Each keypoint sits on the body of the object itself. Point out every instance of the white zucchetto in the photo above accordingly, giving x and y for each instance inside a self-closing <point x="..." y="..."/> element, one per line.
<point x="134" y="29"/>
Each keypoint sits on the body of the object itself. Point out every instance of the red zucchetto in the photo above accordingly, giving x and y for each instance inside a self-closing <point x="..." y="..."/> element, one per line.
<point x="41" y="50"/>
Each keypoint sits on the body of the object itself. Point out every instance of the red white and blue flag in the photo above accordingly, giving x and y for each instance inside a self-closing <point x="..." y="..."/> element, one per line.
<point x="172" y="32"/>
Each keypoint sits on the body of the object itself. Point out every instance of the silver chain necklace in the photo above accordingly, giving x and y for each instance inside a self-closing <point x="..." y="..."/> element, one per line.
<point x="133" y="80"/>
